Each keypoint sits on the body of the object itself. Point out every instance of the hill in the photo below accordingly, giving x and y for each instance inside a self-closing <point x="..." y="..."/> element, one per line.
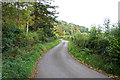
<point x="65" y="28"/>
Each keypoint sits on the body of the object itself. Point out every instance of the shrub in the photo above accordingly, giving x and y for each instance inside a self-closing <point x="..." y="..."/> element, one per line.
<point x="9" y="34"/>
<point x="80" y="40"/>
<point x="114" y="50"/>
<point x="21" y="40"/>
<point x="15" y="37"/>
<point x="33" y="38"/>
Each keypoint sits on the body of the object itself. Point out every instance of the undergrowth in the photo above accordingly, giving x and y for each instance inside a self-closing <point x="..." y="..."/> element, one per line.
<point x="94" y="60"/>
<point x="19" y="62"/>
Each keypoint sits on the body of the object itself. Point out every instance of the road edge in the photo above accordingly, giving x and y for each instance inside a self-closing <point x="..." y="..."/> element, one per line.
<point x="89" y="66"/>
<point x="35" y="72"/>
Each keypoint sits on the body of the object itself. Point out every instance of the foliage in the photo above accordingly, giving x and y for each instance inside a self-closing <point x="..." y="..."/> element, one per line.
<point x="10" y="33"/>
<point x="43" y="16"/>
<point x="35" y="15"/>
<point x="26" y="27"/>
<point x="14" y="13"/>
<point x="20" y="63"/>
<point x="94" y="60"/>
<point x="19" y="16"/>
<point x="114" y="50"/>
<point x="98" y="43"/>
<point x="80" y="40"/>
<point x="65" y="28"/>
<point x="13" y="36"/>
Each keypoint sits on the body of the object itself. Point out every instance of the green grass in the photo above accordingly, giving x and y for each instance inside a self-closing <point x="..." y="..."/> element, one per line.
<point x="94" y="60"/>
<point x="19" y="62"/>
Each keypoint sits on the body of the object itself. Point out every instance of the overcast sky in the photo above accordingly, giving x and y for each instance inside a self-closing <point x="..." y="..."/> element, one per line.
<point x="87" y="12"/>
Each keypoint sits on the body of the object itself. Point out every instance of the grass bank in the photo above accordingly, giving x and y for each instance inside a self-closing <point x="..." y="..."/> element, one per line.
<point x="19" y="62"/>
<point x="94" y="61"/>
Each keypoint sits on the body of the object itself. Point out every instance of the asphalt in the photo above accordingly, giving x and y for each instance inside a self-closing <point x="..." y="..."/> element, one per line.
<point x="57" y="63"/>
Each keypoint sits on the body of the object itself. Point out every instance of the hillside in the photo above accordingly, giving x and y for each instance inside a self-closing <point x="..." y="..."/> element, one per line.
<point x="69" y="28"/>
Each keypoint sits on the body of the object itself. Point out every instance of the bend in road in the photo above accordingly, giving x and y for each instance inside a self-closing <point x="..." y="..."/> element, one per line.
<point x="57" y="63"/>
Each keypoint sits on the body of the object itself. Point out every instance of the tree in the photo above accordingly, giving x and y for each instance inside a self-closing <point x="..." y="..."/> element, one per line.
<point x="43" y="16"/>
<point x="16" y="13"/>
<point x="107" y="25"/>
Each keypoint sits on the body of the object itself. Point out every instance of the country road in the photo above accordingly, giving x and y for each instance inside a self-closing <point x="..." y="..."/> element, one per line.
<point x="57" y="63"/>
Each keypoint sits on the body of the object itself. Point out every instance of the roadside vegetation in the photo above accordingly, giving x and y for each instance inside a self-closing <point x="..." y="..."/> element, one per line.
<point x="19" y="62"/>
<point x="99" y="48"/>
<point x="27" y="32"/>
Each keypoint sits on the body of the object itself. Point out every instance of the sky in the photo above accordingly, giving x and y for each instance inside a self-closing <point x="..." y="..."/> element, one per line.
<point x="87" y="12"/>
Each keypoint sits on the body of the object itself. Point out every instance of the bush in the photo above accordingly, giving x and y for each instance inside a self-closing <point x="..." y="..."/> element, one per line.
<point x="114" y="50"/>
<point x="99" y="46"/>
<point x="99" y="43"/>
<point x="80" y="40"/>
<point x="21" y="62"/>
<point x="33" y="38"/>
<point x="94" y="60"/>
<point x="21" y="40"/>
<point x="9" y="34"/>
<point x="15" y="37"/>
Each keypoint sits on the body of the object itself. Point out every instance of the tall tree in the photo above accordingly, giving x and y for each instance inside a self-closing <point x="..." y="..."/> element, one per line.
<point x="44" y="16"/>
<point x="16" y="13"/>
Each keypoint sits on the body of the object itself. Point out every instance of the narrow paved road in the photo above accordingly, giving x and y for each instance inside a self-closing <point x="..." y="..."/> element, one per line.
<point x="57" y="63"/>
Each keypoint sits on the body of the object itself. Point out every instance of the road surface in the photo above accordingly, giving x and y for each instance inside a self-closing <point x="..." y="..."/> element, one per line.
<point x="57" y="63"/>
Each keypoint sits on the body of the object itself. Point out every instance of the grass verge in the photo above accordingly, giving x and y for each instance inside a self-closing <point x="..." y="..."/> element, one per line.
<point x="94" y="61"/>
<point x="19" y="62"/>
